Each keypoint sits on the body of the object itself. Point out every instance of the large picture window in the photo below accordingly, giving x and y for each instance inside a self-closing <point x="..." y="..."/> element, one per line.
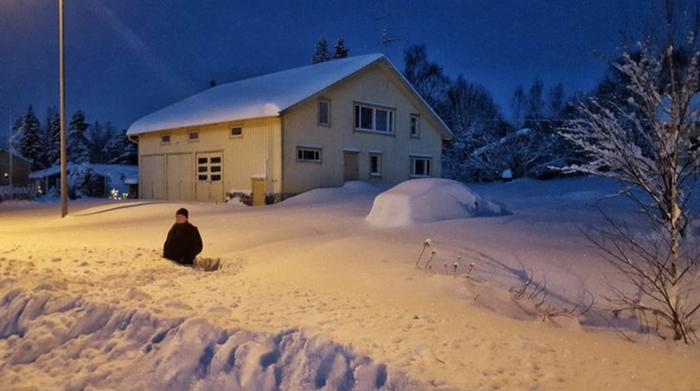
<point x="373" y="118"/>
<point x="420" y="166"/>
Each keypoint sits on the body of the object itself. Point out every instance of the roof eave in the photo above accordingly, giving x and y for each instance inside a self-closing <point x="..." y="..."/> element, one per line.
<point x="159" y="130"/>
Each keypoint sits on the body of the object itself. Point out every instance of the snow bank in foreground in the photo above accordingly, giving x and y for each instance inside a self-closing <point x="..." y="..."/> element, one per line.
<point x="426" y="201"/>
<point x="81" y="344"/>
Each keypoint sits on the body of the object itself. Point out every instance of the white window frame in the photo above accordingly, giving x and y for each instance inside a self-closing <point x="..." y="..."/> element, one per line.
<point x="162" y="139"/>
<point x="230" y="131"/>
<point x="302" y="149"/>
<point x="327" y="102"/>
<point x="209" y="169"/>
<point x="189" y="136"/>
<point x="357" y="118"/>
<point x="429" y="166"/>
<point x="378" y="173"/>
<point x="415" y="117"/>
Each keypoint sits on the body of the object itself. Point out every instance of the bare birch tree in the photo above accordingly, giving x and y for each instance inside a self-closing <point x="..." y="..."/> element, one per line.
<point x="648" y="144"/>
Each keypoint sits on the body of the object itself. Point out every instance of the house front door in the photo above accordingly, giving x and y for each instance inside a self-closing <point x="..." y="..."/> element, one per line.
<point x="210" y="177"/>
<point x="351" y="166"/>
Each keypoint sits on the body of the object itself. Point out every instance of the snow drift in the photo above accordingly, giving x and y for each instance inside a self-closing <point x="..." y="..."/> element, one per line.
<point x="349" y="191"/>
<point x="426" y="201"/>
<point x="104" y="346"/>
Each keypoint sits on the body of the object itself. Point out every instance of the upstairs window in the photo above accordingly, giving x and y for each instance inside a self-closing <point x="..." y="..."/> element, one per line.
<point x="324" y="112"/>
<point x="415" y="126"/>
<point x="374" y="119"/>
<point x="193" y="136"/>
<point x="236" y="131"/>
<point x="165" y="139"/>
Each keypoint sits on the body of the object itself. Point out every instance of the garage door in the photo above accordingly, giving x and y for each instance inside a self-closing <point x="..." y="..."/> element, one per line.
<point x="180" y="176"/>
<point x="152" y="177"/>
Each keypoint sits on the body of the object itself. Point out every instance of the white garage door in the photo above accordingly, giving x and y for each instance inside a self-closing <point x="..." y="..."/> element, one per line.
<point x="180" y="176"/>
<point x="152" y="177"/>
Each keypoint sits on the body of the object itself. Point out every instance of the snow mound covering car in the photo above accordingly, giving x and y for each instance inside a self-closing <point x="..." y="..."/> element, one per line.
<point x="426" y="201"/>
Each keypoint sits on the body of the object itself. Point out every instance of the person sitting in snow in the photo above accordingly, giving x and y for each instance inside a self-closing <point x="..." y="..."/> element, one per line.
<point x="183" y="242"/>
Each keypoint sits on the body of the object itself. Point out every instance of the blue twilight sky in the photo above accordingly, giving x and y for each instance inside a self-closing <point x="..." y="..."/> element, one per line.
<point x="126" y="58"/>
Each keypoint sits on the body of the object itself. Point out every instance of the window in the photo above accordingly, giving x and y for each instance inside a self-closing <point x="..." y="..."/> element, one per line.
<point x="375" y="165"/>
<point x="324" y="112"/>
<point x="165" y="139"/>
<point x="415" y="126"/>
<point x="308" y="154"/>
<point x="420" y="166"/>
<point x="236" y="131"/>
<point x="193" y="136"/>
<point x="209" y="168"/>
<point x="374" y="119"/>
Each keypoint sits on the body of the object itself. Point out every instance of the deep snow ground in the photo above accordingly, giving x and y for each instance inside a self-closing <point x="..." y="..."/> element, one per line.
<point x="311" y="294"/>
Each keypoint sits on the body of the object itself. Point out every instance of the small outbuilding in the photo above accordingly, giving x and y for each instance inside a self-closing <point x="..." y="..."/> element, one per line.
<point x="103" y="178"/>
<point x="19" y="169"/>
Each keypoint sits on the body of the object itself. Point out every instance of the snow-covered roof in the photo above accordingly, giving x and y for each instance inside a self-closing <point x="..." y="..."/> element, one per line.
<point x="262" y="96"/>
<point x="114" y="171"/>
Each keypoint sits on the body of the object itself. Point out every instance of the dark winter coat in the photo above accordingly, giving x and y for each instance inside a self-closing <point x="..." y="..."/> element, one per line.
<point x="183" y="243"/>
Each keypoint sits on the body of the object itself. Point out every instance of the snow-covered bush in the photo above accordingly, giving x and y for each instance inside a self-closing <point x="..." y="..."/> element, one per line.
<point x="84" y="182"/>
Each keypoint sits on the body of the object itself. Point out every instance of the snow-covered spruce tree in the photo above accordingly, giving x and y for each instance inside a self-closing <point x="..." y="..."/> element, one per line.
<point x="646" y="143"/>
<point x="120" y="150"/>
<point x="78" y="150"/>
<point x="340" y="51"/>
<point x="27" y="139"/>
<point x="321" y="53"/>
<point x="52" y="135"/>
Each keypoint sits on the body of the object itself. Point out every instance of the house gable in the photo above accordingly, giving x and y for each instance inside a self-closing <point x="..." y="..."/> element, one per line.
<point x="400" y="82"/>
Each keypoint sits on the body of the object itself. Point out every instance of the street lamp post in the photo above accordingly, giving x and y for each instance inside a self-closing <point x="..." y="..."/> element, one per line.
<point x="62" y="77"/>
<point x="9" y="148"/>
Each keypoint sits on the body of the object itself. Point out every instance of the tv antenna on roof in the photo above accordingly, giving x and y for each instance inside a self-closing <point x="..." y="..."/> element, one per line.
<point x="388" y="39"/>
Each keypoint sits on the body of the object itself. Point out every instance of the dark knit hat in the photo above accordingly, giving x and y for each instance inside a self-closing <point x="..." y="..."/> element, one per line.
<point x="184" y="212"/>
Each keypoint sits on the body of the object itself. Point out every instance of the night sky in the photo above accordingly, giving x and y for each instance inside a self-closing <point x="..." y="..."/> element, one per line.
<point x="126" y="58"/>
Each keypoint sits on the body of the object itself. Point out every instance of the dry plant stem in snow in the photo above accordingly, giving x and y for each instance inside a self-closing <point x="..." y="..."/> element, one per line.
<point x="536" y="293"/>
<point x="426" y="244"/>
<point x="647" y="144"/>
<point x="428" y="265"/>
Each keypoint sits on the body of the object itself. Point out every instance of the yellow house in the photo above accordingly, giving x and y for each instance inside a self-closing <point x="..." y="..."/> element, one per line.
<point x="315" y="126"/>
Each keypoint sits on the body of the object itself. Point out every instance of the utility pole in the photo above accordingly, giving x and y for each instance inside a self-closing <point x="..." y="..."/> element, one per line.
<point x="62" y="77"/>
<point x="9" y="148"/>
